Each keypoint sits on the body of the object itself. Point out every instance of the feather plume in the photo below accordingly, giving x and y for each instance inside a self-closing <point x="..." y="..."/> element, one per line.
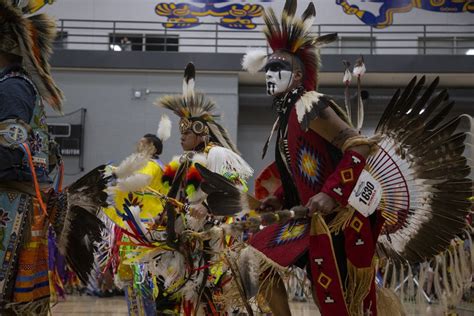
<point x="33" y="38"/>
<point x="293" y="35"/>
<point x="21" y="3"/>
<point x="130" y="165"/>
<point x="325" y="39"/>
<point x="197" y="106"/>
<point x="308" y="16"/>
<point x="221" y="136"/>
<point x="305" y="104"/>
<point x="359" y="67"/>
<point x="347" y="72"/>
<point x="189" y="81"/>
<point x="164" y="128"/>
<point x="254" y="60"/>
<point x="135" y="182"/>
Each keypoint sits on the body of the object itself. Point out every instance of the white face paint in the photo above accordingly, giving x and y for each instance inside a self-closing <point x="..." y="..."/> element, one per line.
<point x="278" y="81"/>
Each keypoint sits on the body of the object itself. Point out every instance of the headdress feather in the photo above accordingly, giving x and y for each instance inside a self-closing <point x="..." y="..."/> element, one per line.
<point x="194" y="105"/>
<point x="32" y="39"/>
<point x="293" y="35"/>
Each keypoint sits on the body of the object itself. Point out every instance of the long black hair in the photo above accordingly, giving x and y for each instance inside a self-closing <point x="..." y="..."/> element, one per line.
<point x="157" y="143"/>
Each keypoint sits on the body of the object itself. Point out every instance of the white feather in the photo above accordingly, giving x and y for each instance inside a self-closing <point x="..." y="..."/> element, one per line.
<point x="360" y="114"/>
<point x="188" y="88"/>
<point x="199" y="158"/>
<point x="164" y="128"/>
<point x="129" y="165"/>
<point x="134" y="182"/>
<point x="359" y="70"/>
<point x="191" y="288"/>
<point x="254" y="61"/>
<point x="305" y="103"/>
<point x="308" y="23"/>
<point x="195" y="224"/>
<point x="170" y="266"/>
<point x="22" y="3"/>
<point x="223" y="160"/>
<point x="347" y="76"/>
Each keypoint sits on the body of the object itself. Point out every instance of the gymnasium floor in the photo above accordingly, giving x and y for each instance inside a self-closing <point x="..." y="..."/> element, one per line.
<point x="116" y="306"/>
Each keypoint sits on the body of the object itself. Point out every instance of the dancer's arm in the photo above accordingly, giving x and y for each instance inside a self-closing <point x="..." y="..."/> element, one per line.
<point x="338" y="185"/>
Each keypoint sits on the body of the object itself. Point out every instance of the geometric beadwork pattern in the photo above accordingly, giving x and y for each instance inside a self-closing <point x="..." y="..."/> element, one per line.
<point x="324" y="280"/>
<point x="289" y="232"/>
<point x="356" y="224"/>
<point x="310" y="166"/>
<point x="347" y="175"/>
<point x="12" y="196"/>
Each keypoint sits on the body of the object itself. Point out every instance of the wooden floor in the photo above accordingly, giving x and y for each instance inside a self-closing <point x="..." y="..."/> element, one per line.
<point x="117" y="306"/>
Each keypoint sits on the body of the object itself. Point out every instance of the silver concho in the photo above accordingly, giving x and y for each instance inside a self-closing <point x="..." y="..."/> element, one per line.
<point x="14" y="134"/>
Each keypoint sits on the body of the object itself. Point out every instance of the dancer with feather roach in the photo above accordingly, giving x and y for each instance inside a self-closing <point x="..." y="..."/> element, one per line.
<point x="199" y="273"/>
<point x="319" y="157"/>
<point x="323" y="163"/>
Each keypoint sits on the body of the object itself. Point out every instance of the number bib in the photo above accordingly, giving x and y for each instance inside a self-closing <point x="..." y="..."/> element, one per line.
<point x="366" y="195"/>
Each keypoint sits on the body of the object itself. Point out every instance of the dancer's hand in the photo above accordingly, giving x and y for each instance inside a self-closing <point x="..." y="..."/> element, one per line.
<point x="322" y="203"/>
<point x="198" y="211"/>
<point x="270" y="204"/>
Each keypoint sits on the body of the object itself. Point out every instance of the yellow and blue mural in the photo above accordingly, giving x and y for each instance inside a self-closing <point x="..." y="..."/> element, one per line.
<point x="388" y="8"/>
<point x="232" y="15"/>
<point x="35" y="5"/>
<point x="242" y="16"/>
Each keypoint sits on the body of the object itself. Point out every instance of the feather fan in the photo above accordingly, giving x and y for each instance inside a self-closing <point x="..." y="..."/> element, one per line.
<point x="423" y="172"/>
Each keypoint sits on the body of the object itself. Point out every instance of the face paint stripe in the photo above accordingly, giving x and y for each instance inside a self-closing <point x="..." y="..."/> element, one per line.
<point x="278" y="81"/>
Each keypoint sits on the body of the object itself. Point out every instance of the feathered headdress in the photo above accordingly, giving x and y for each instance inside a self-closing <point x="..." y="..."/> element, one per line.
<point x="31" y="38"/>
<point x="292" y="35"/>
<point x="196" y="111"/>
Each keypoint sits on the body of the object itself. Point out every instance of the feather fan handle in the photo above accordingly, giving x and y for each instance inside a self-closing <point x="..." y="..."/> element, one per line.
<point x="347" y="81"/>
<point x="256" y="222"/>
<point x="359" y="71"/>
<point x="164" y="128"/>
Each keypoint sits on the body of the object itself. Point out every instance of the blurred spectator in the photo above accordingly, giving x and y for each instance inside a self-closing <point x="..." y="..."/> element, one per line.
<point x="125" y="44"/>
